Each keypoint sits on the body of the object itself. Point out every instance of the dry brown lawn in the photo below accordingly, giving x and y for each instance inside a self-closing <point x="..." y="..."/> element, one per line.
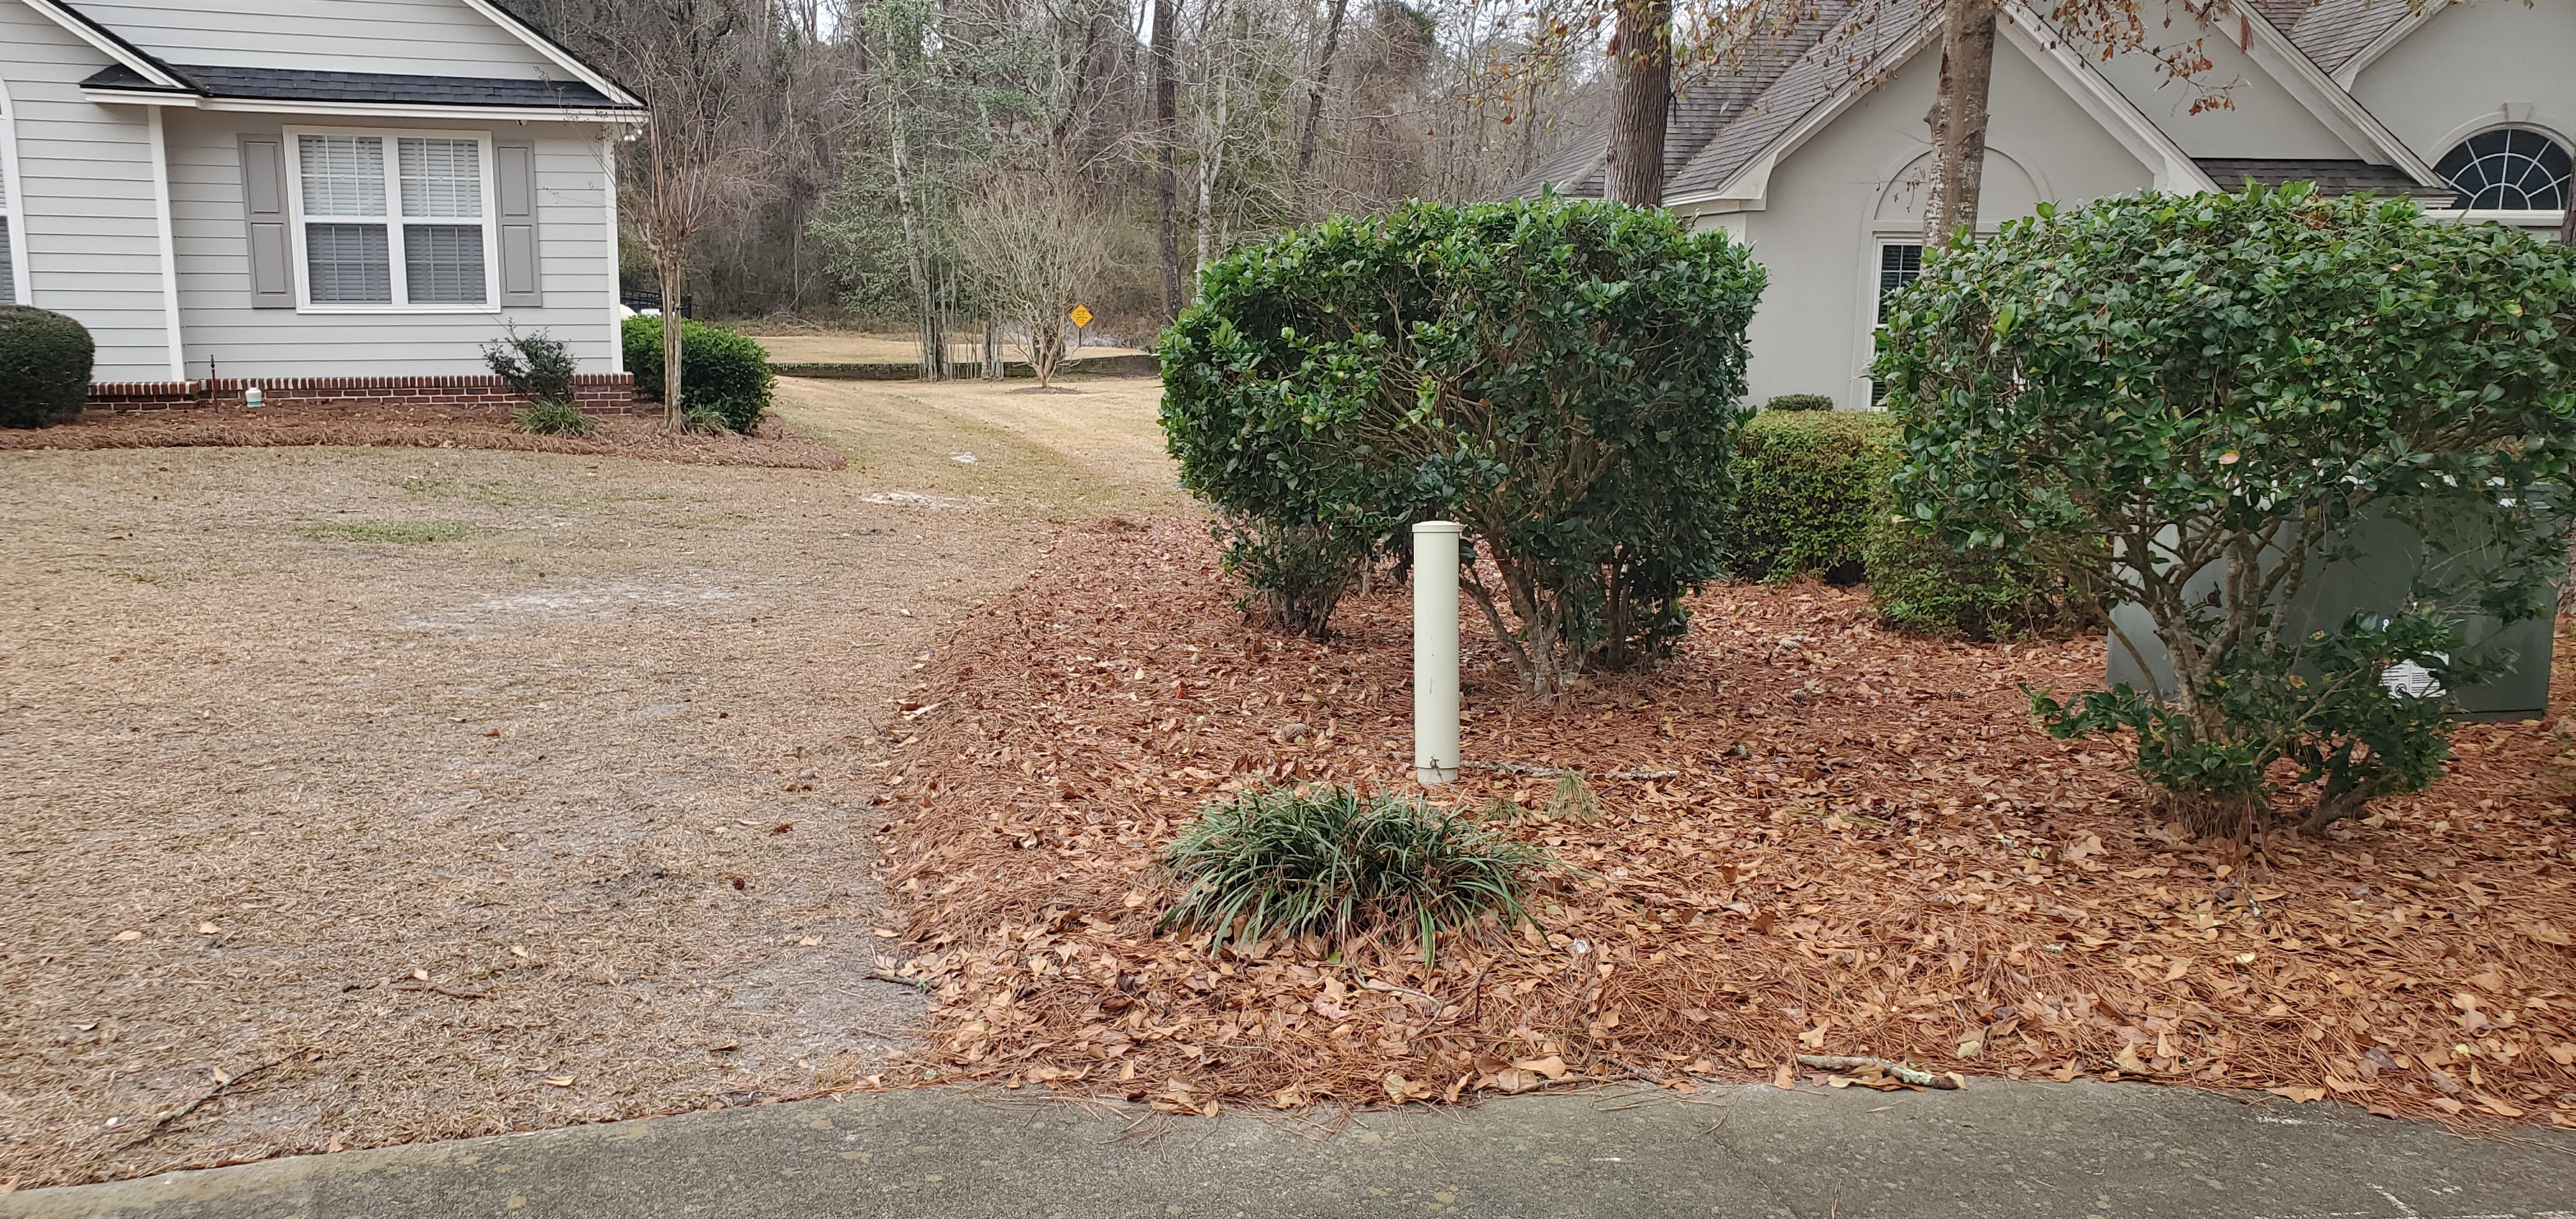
<point x="425" y="793"/>
<point x="852" y="347"/>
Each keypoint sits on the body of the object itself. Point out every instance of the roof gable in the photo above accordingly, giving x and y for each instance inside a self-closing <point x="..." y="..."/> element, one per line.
<point x="447" y="39"/>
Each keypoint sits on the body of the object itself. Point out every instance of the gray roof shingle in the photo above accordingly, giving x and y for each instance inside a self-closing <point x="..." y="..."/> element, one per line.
<point x="2331" y="177"/>
<point x="296" y="85"/>
<point x="2336" y="30"/>
<point x="1733" y="111"/>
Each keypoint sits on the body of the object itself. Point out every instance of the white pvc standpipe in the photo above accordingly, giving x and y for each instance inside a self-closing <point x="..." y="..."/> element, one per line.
<point x="1435" y="651"/>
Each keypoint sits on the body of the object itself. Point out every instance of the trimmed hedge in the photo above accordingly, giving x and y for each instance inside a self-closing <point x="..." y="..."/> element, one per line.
<point x="45" y="362"/>
<point x="1923" y="587"/>
<point x="1812" y="499"/>
<point x="1799" y="402"/>
<point x="1559" y="376"/>
<point x="1807" y="483"/>
<point x="724" y="376"/>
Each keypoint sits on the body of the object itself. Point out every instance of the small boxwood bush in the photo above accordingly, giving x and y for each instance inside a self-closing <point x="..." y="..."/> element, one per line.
<point x="45" y="361"/>
<point x="1812" y="499"/>
<point x="725" y="380"/>
<point x="1923" y="587"/>
<point x="1331" y="861"/>
<point x="1807" y="483"/>
<point x="1799" y="402"/>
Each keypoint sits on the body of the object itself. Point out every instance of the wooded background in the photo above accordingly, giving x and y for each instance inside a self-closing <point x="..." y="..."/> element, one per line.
<point x="836" y="150"/>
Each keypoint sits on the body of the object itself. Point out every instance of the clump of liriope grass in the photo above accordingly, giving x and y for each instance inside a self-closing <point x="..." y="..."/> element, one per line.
<point x="1328" y="860"/>
<point x="548" y="417"/>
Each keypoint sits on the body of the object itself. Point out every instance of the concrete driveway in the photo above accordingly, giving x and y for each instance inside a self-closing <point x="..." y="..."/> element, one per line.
<point x="1995" y="1149"/>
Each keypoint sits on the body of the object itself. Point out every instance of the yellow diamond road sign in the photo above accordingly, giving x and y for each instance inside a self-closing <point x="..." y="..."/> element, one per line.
<point x="1081" y="315"/>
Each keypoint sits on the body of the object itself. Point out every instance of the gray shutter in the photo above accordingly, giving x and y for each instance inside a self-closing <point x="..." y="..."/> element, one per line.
<point x="272" y="269"/>
<point x="514" y="170"/>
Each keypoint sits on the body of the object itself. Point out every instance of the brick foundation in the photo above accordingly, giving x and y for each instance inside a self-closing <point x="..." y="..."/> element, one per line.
<point x="595" y="393"/>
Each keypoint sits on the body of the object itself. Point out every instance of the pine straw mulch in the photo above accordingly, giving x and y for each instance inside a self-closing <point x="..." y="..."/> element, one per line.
<point x="1852" y="843"/>
<point x="357" y="423"/>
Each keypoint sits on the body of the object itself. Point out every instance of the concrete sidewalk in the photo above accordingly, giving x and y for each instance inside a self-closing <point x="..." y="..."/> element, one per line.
<point x="1994" y="1149"/>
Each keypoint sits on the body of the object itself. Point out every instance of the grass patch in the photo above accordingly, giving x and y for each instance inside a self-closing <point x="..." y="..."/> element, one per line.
<point x="390" y="531"/>
<point x="551" y="419"/>
<point x="1331" y="861"/>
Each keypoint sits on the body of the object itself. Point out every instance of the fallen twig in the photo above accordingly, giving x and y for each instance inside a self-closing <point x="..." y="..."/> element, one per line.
<point x="1550" y="772"/>
<point x="184" y="1110"/>
<point x="1897" y="1071"/>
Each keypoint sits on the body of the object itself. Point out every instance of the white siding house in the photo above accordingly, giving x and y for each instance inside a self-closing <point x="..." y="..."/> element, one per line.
<point x="284" y="189"/>
<point x="1812" y="145"/>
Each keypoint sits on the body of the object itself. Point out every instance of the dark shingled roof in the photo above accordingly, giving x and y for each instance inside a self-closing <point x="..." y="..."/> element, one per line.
<point x="1706" y="102"/>
<point x="2331" y="177"/>
<point x="296" y="85"/>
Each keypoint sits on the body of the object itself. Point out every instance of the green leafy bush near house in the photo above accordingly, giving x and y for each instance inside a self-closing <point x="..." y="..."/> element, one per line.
<point x="1922" y="586"/>
<point x="1562" y="377"/>
<point x="1799" y="402"/>
<point x="539" y="368"/>
<point x="2219" y="387"/>
<point x="1331" y="861"/>
<point x="725" y="382"/>
<point x="45" y="362"/>
<point x="1812" y="500"/>
<point x="1808" y="484"/>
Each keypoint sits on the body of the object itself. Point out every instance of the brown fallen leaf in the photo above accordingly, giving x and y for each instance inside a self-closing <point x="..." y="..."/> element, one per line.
<point x="1553" y="1066"/>
<point x="560" y="1081"/>
<point x="1786" y="1079"/>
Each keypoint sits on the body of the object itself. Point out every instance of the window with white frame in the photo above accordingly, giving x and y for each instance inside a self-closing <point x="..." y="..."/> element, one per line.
<point x="1899" y="263"/>
<point x="393" y="220"/>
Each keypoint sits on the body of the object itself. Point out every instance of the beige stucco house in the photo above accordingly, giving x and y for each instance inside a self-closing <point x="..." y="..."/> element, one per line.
<point x="341" y="194"/>
<point x="1813" y="146"/>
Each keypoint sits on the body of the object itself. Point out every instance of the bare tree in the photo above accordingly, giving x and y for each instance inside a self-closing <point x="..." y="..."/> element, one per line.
<point x="1167" y="222"/>
<point x="697" y="158"/>
<point x="1314" y="126"/>
<point x="1034" y="249"/>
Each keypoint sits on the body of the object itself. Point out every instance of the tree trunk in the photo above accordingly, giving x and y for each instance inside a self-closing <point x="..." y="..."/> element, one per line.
<point x="1959" y="159"/>
<point x="2567" y="223"/>
<point x="916" y="260"/>
<point x="1211" y="157"/>
<point x="1315" y="106"/>
<point x="992" y="370"/>
<point x="1167" y="111"/>
<point x="672" y="414"/>
<point x="1644" y="51"/>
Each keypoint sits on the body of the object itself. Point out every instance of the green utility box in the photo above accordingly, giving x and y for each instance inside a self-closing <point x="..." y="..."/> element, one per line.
<point x="2389" y="558"/>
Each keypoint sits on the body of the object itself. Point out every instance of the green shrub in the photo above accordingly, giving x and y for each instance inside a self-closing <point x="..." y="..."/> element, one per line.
<point x="1799" y="402"/>
<point x="1560" y="377"/>
<point x="537" y="367"/>
<point x="1922" y="586"/>
<point x="1330" y="861"/>
<point x="1293" y="574"/>
<point x="2218" y="386"/>
<point x="1807" y="486"/>
<point x="551" y="418"/>
<point x="45" y="361"/>
<point x="725" y="382"/>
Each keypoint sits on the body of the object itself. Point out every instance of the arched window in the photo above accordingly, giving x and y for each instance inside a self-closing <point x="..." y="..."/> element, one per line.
<point x="2508" y="169"/>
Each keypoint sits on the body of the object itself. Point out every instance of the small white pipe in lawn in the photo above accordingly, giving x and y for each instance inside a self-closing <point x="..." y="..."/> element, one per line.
<point x="1435" y="651"/>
